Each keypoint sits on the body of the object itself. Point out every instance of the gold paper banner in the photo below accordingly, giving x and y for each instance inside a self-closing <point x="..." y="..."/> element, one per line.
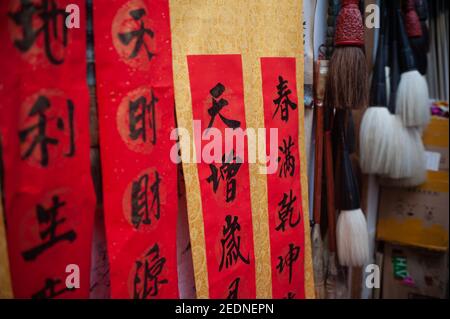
<point x="253" y="29"/>
<point x="5" y="279"/>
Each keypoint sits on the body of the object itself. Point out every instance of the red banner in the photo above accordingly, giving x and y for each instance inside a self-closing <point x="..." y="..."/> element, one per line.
<point x="284" y="188"/>
<point x="216" y="83"/>
<point x="136" y="116"/>
<point x="49" y="198"/>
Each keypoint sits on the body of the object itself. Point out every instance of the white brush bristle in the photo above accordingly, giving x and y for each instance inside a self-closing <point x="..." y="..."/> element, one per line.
<point x="412" y="101"/>
<point x="352" y="238"/>
<point x="416" y="161"/>
<point x="399" y="154"/>
<point x="376" y="140"/>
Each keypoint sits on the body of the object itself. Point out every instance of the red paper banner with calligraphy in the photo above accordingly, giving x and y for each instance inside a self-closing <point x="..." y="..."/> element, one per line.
<point x="136" y="116"/>
<point x="285" y="211"/>
<point x="49" y="198"/>
<point x="216" y="83"/>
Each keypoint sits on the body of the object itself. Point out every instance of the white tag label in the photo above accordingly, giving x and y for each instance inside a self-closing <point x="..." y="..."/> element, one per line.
<point x="432" y="160"/>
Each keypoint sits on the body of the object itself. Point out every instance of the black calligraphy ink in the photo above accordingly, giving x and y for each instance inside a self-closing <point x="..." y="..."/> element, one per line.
<point x="40" y="138"/>
<point x="286" y="212"/>
<point x="49" y="217"/>
<point x="227" y="172"/>
<point x="283" y="101"/>
<point x="231" y="243"/>
<point x="290" y="295"/>
<point x="218" y="105"/>
<point x="146" y="280"/>
<point x="140" y="210"/>
<point x="288" y="260"/>
<point x="49" y="291"/>
<point x="48" y="14"/>
<point x="38" y="109"/>
<point x="71" y="109"/>
<point x="139" y="110"/>
<point x="138" y="34"/>
<point x="233" y="289"/>
<point x="287" y="167"/>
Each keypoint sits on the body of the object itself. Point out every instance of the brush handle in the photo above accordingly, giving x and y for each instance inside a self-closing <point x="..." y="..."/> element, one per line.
<point x="422" y="9"/>
<point x="321" y="73"/>
<point x="407" y="56"/>
<point x="349" y="188"/>
<point x="333" y="10"/>
<point x="378" y="86"/>
<point x="318" y="164"/>
<point x="331" y="208"/>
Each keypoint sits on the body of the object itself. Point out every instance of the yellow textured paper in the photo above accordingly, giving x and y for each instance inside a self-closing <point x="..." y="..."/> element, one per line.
<point x="253" y="29"/>
<point x="5" y="279"/>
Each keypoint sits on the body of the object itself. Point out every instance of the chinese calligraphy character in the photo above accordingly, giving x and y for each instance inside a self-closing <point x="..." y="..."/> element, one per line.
<point x="227" y="171"/>
<point x="48" y="13"/>
<point x="231" y="243"/>
<point x="140" y="211"/>
<point x="138" y="34"/>
<point x="147" y="275"/>
<point x="233" y="289"/>
<point x="288" y="260"/>
<point x="138" y="110"/>
<point x="290" y="295"/>
<point x="49" y="216"/>
<point x="218" y="105"/>
<point x="288" y="162"/>
<point x="40" y="138"/>
<point x="49" y="291"/>
<point x="286" y="212"/>
<point x="283" y="101"/>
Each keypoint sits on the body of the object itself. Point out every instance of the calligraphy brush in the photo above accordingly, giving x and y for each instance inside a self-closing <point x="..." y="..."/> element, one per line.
<point x="376" y="131"/>
<point x="412" y="104"/>
<point x="332" y="272"/>
<point x="397" y="159"/>
<point x="319" y="89"/>
<point x="347" y="77"/>
<point x="351" y="229"/>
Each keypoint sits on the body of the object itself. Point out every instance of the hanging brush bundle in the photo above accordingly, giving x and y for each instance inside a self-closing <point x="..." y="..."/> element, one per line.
<point x="412" y="104"/>
<point x="351" y="230"/>
<point x="378" y="124"/>
<point x="347" y="76"/>
<point x="405" y="165"/>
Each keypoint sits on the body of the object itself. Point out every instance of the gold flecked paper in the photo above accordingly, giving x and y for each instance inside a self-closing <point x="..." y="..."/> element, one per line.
<point x="254" y="29"/>
<point x="5" y="279"/>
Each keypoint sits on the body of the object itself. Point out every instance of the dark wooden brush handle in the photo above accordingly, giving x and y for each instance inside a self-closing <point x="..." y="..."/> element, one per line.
<point x="329" y="175"/>
<point x="318" y="163"/>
